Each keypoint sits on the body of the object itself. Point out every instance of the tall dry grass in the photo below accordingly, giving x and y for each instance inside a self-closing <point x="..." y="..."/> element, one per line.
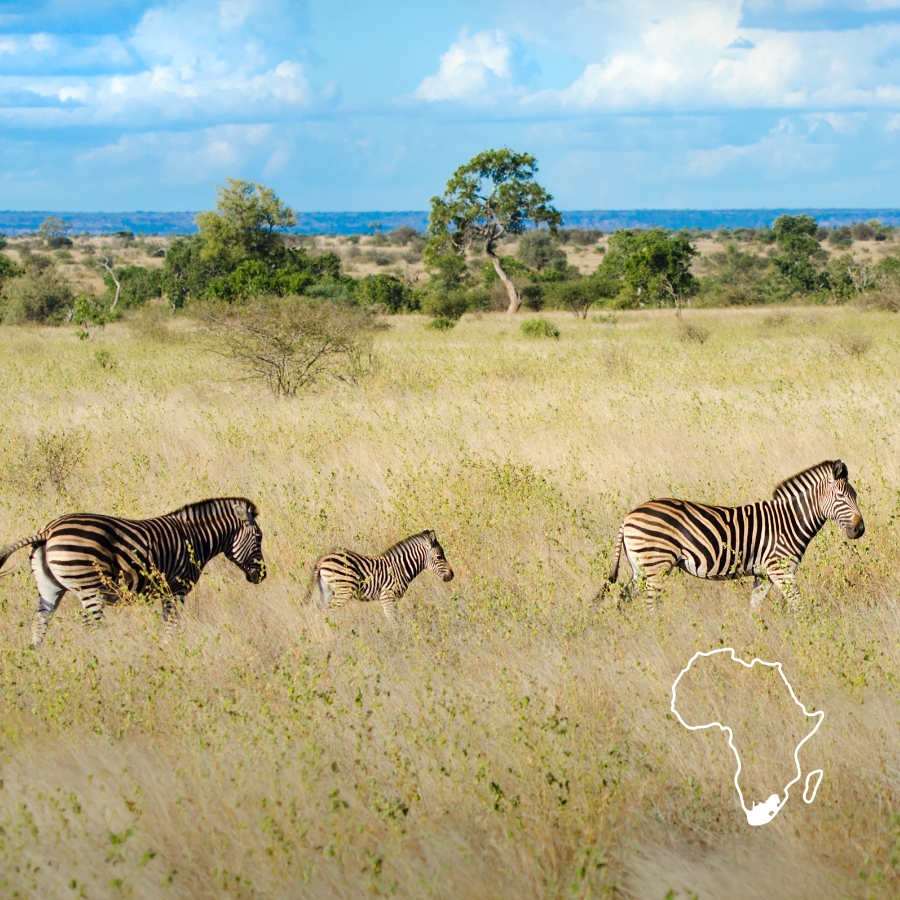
<point x="509" y="738"/>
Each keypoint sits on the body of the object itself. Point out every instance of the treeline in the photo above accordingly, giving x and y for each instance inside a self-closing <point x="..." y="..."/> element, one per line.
<point x="243" y="252"/>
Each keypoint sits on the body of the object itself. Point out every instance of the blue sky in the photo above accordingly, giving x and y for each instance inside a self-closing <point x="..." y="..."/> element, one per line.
<point x="358" y="105"/>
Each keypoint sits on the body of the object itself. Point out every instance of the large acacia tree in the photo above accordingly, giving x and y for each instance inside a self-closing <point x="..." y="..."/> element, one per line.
<point x="491" y="195"/>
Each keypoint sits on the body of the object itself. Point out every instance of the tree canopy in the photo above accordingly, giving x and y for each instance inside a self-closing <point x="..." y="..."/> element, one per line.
<point x="492" y="195"/>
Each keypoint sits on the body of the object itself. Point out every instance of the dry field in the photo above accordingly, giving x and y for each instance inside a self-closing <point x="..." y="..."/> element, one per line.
<point x="510" y="738"/>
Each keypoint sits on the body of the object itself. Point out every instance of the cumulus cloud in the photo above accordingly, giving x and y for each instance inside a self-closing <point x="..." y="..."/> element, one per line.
<point x="471" y="67"/>
<point x="653" y="55"/>
<point x="191" y="62"/>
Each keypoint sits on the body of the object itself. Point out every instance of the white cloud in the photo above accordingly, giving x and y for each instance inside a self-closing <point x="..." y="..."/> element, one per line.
<point x="196" y="63"/>
<point x="780" y="155"/>
<point x="469" y="68"/>
<point x="696" y="55"/>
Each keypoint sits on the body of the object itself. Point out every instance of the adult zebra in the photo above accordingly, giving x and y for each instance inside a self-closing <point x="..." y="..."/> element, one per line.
<point x="95" y="556"/>
<point x="766" y="539"/>
<point x="343" y="575"/>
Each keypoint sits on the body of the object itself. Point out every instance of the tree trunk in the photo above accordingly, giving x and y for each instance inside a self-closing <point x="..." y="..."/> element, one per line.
<point x="112" y="275"/>
<point x="514" y="300"/>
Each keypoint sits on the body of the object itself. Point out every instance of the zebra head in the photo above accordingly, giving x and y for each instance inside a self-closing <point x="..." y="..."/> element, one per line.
<point x="435" y="559"/>
<point x="839" y="502"/>
<point x="245" y="550"/>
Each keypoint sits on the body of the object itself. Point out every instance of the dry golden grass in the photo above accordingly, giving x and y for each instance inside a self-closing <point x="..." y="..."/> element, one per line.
<point x="509" y="738"/>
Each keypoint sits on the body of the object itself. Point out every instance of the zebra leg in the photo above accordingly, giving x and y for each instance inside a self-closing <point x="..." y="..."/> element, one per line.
<point x="50" y="592"/>
<point x="761" y="588"/>
<point x="171" y="612"/>
<point x="786" y="580"/>
<point x="388" y="600"/>
<point x="326" y="595"/>
<point x="93" y="604"/>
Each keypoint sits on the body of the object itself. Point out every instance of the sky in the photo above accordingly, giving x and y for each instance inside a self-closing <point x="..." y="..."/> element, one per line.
<point x="115" y="105"/>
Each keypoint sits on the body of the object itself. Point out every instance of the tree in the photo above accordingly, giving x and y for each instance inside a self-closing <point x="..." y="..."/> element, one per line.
<point x="244" y="226"/>
<point x="795" y="237"/>
<point x="491" y="195"/>
<point x="290" y="343"/>
<point x="538" y="249"/>
<point x="651" y="266"/>
<point x="54" y="230"/>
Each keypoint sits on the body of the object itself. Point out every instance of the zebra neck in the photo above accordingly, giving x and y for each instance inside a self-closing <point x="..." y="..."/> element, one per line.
<point x="407" y="563"/>
<point x="806" y="518"/>
<point x="206" y="541"/>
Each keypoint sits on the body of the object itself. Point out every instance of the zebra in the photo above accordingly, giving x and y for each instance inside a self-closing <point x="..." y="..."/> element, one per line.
<point x="96" y="556"/>
<point x="766" y="540"/>
<point x="343" y="575"/>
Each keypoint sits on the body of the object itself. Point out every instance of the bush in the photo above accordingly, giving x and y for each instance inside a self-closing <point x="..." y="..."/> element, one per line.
<point x="290" y="343"/>
<point x="138" y="285"/>
<point x="538" y="249"/>
<point x="8" y="269"/>
<point x="540" y="327"/>
<point x="38" y="295"/>
<point x="441" y="324"/>
<point x="444" y="304"/>
<point x="581" y="237"/>
<point x="841" y="238"/>
<point x="90" y="315"/>
<point x="863" y="231"/>
<point x="386" y="291"/>
<point x="52" y="460"/>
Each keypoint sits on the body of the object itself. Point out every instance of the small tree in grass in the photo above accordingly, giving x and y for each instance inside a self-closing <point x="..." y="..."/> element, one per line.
<point x="290" y="343"/>
<point x="491" y="195"/>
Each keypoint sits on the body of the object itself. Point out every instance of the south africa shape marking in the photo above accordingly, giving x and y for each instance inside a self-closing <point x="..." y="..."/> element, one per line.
<point x="761" y="813"/>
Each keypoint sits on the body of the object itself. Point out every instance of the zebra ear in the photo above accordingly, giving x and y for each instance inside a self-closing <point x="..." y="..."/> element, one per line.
<point x="431" y="537"/>
<point x="839" y="469"/>
<point x="245" y="510"/>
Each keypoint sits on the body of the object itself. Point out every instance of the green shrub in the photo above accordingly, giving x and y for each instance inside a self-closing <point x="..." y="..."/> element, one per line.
<point x="386" y="291"/>
<point x="538" y="249"/>
<point x="540" y="327"/>
<point x="441" y="324"/>
<point x="138" y="285"/>
<point x="39" y="296"/>
<point x="444" y="304"/>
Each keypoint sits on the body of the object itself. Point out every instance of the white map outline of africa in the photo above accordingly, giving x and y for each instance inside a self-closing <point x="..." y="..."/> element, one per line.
<point x="761" y="813"/>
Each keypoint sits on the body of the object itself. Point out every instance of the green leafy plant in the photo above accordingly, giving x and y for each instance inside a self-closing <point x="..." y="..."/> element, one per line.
<point x="539" y="328"/>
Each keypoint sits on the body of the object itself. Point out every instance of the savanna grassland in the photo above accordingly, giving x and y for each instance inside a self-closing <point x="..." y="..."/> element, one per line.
<point x="511" y="737"/>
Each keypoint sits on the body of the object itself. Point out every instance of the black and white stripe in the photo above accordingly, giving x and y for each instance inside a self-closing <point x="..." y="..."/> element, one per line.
<point x="95" y="556"/>
<point x="343" y="575"/>
<point x="766" y="539"/>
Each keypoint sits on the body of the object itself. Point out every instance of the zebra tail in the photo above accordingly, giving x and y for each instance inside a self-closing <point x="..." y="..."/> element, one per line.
<point x="614" y="571"/>
<point x="312" y="585"/>
<point x="7" y="552"/>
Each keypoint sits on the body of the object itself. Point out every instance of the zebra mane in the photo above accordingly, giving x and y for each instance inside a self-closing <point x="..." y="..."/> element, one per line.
<point x="215" y="507"/>
<point x="803" y="481"/>
<point x="410" y="541"/>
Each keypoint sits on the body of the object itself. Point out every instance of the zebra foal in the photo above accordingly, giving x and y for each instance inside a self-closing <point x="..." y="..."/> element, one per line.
<point x="342" y="575"/>
<point x="766" y="540"/>
<point x="93" y="555"/>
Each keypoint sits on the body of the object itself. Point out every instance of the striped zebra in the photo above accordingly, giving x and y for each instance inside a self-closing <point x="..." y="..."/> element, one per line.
<point x="343" y="575"/>
<point x="96" y="557"/>
<point x="765" y="539"/>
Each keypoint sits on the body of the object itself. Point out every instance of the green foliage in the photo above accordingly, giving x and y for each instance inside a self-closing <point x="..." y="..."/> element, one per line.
<point x="538" y="249"/>
<point x="539" y="327"/>
<point x="491" y="195"/>
<point x="8" y="269"/>
<point x="442" y="304"/>
<point x="494" y="194"/>
<point x="386" y="291"/>
<point x="138" y="285"/>
<point x="580" y="296"/>
<point x="735" y="278"/>
<point x="53" y="227"/>
<point x="441" y="324"/>
<point x="38" y="295"/>
<point x="649" y="266"/>
<point x="581" y="237"/>
<point x="841" y="238"/>
<point x="795" y="237"/>
<point x="509" y="264"/>
<point x="244" y="225"/>
<point x="90" y="315"/>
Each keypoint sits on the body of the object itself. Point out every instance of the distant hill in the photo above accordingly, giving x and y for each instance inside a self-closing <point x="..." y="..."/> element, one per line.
<point x="12" y="223"/>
